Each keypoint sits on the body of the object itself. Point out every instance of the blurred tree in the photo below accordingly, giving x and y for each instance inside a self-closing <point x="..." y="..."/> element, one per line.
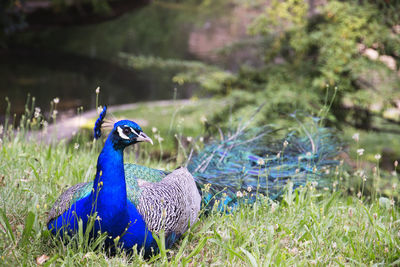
<point x="338" y="60"/>
<point x="22" y="14"/>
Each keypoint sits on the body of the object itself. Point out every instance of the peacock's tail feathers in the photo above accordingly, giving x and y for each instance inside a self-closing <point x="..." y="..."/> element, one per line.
<point x="250" y="162"/>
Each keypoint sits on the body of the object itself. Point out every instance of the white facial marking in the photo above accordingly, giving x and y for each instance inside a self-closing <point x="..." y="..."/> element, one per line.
<point x="121" y="133"/>
<point x="133" y="131"/>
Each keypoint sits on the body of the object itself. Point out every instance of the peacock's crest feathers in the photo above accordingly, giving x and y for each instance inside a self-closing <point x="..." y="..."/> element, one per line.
<point x="103" y="123"/>
<point x="99" y="123"/>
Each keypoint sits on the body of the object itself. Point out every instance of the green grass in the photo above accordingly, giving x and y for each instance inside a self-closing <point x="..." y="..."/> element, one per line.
<point x="307" y="227"/>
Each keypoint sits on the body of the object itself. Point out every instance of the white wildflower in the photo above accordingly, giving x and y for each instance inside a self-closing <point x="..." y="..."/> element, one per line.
<point x="76" y="146"/>
<point x="159" y="138"/>
<point x="154" y="129"/>
<point x="285" y="143"/>
<point x="260" y="162"/>
<point x="334" y="245"/>
<point x="56" y="100"/>
<point x="37" y="112"/>
<point x="360" y="151"/>
<point x="203" y="119"/>
<point x="239" y="194"/>
<point x="356" y="137"/>
<point x="273" y="206"/>
<point x="189" y="139"/>
<point x="378" y="156"/>
<point x="396" y="163"/>
<point x="98" y="90"/>
<point x="201" y="139"/>
<point x="359" y="194"/>
<point x="249" y="189"/>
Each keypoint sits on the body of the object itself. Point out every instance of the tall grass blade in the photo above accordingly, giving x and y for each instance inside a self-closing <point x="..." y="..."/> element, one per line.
<point x="27" y="232"/>
<point x="6" y="224"/>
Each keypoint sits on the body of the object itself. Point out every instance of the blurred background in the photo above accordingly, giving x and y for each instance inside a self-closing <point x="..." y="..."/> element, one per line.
<point x="334" y="59"/>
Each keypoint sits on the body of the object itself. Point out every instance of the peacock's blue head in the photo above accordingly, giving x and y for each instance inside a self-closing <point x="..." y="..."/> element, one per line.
<point x="124" y="132"/>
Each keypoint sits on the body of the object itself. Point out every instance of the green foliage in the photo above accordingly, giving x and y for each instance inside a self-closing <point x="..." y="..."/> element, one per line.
<point x="315" y="56"/>
<point x="209" y="77"/>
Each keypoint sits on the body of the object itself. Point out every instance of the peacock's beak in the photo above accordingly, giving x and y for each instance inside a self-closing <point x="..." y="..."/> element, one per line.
<point x="144" y="138"/>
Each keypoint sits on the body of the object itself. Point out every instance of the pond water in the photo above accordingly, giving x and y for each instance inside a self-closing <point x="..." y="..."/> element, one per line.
<point x="71" y="62"/>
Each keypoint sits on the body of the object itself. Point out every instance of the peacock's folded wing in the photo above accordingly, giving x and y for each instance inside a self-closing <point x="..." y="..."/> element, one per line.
<point x="70" y="196"/>
<point x="171" y="204"/>
<point x="136" y="175"/>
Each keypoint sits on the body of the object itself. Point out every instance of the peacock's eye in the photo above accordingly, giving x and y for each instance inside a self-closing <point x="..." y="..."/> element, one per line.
<point x="126" y="131"/>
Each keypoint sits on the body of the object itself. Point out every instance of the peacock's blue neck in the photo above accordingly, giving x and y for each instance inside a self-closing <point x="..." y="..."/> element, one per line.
<point x="109" y="197"/>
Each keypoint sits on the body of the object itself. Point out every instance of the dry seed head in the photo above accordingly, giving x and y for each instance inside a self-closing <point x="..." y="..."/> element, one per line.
<point x="351" y="212"/>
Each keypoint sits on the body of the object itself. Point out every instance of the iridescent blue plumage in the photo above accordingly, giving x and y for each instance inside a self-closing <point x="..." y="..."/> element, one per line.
<point x="134" y="202"/>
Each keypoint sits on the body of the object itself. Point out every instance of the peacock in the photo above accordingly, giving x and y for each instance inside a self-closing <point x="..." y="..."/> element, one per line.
<point x="132" y="203"/>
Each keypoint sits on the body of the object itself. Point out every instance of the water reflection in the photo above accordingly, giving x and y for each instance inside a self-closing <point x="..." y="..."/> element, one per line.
<point x="74" y="78"/>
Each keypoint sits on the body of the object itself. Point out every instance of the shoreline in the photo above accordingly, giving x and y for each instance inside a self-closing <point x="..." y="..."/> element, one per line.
<point x="68" y="127"/>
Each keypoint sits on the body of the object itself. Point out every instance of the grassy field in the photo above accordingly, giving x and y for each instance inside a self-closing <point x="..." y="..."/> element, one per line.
<point x="331" y="226"/>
